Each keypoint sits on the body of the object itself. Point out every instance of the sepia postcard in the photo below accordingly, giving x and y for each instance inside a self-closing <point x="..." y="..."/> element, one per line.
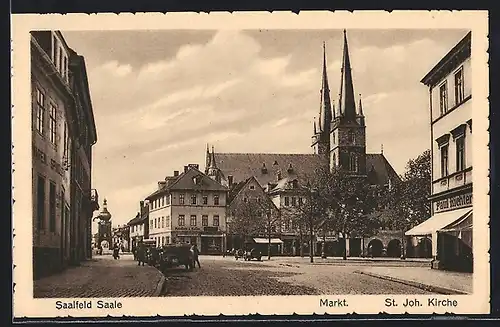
<point x="238" y="163"/>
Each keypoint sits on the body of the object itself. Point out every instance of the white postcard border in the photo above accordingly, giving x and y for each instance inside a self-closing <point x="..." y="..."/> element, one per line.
<point x="26" y="306"/>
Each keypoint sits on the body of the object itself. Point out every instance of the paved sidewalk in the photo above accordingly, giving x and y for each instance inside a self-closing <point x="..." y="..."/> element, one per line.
<point x="439" y="281"/>
<point x="102" y="277"/>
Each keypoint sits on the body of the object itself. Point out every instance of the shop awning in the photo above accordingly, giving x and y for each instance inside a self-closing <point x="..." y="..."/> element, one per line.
<point x="463" y="224"/>
<point x="266" y="240"/>
<point x="438" y="221"/>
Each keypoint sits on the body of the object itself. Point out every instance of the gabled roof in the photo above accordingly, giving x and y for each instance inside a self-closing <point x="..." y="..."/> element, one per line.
<point x="235" y="189"/>
<point x="241" y="186"/>
<point x="379" y="170"/>
<point x="185" y="181"/>
<point x="138" y="219"/>
<point x="265" y="166"/>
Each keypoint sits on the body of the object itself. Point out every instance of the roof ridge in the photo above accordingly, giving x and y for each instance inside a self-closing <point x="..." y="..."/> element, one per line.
<point x="274" y="153"/>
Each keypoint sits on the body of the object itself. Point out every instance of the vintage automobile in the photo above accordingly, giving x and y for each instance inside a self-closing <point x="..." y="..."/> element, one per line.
<point x="175" y="255"/>
<point x="153" y="256"/>
<point x="252" y="254"/>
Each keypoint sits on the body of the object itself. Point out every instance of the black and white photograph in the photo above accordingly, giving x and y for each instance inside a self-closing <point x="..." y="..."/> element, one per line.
<point x="323" y="162"/>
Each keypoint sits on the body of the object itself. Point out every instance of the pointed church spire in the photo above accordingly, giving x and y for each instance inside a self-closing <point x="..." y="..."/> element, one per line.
<point x="213" y="164"/>
<point x="360" y="107"/>
<point x="347" y="103"/>
<point x="325" y="112"/>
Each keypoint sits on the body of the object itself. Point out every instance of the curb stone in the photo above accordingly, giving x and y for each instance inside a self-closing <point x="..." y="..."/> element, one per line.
<point x="159" y="287"/>
<point x="426" y="287"/>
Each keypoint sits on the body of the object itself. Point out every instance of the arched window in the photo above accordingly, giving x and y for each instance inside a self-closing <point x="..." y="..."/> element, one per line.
<point x="353" y="162"/>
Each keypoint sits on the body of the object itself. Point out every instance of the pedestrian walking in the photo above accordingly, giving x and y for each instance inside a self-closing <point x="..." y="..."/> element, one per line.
<point x="141" y="254"/>
<point x="196" y="253"/>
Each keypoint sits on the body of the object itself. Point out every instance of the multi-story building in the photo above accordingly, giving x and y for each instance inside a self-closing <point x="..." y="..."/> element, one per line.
<point x="121" y="237"/>
<point x="62" y="127"/>
<point x="249" y="203"/>
<point x="449" y="228"/>
<point x="139" y="226"/>
<point x="189" y="208"/>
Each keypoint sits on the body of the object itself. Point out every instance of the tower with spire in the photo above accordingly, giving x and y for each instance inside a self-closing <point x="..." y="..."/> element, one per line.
<point x="211" y="169"/>
<point x="347" y="131"/>
<point x="321" y="136"/>
<point x="104" y="231"/>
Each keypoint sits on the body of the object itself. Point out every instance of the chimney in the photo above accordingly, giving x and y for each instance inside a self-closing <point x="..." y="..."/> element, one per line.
<point x="230" y="180"/>
<point x="161" y="184"/>
<point x="278" y="175"/>
<point x="176" y="173"/>
<point x="186" y="168"/>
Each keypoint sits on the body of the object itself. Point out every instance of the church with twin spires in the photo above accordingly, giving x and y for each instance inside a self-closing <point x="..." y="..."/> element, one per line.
<point x="339" y="140"/>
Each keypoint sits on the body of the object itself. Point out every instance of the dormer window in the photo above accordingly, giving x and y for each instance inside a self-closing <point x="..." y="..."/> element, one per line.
<point x="264" y="168"/>
<point x="290" y="169"/>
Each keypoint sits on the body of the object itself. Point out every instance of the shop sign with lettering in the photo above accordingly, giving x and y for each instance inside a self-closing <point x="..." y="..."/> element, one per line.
<point x="454" y="202"/>
<point x="187" y="228"/>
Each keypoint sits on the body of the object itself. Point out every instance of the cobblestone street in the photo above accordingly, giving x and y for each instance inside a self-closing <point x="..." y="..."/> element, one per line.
<point x="101" y="277"/>
<point x="281" y="276"/>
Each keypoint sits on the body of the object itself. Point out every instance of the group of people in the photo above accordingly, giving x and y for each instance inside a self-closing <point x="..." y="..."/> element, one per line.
<point x="141" y="252"/>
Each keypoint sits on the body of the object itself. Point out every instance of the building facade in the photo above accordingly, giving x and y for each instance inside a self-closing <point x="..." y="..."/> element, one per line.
<point x="189" y="208"/>
<point x="61" y="215"/>
<point x="450" y="224"/>
<point x="338" y="141"/>
<point x="139" y="226"/>
<point x="249" y="203"/>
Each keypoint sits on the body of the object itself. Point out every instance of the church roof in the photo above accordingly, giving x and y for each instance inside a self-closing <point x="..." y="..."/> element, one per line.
<point x="265" y="166"/>
<point x="378" y="169"/>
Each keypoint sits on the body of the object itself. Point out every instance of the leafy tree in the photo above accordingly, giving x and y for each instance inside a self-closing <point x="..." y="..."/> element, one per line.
<point x="255" y="218"/>
<point x="346" y="203"/>
<point x="405" y="201"/>
<point x="247" y="219"/>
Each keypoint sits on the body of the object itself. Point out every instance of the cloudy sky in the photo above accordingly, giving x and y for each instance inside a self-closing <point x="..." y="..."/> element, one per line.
<point x="160" y="96"/>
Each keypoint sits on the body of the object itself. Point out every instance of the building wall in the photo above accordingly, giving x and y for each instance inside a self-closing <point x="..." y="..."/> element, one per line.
<point x="50" y="236"/>
<point x="166" y="214"/>
<point x="459" y="114"/>
<point x="450" y="80"/>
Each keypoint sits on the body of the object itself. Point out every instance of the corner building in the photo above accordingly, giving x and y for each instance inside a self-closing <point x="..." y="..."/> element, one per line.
<point x="450" y="224"/>
<point x="189" y="208"/>
<point x="63" y="133"/>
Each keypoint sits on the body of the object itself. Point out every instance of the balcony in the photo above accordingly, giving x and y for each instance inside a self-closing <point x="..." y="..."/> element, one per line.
<point x="94" y="199"/>
<point x="452" y="181"/>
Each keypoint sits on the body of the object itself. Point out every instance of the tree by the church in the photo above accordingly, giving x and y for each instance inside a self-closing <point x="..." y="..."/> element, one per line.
<point x="253" y="218"/>
<point x="247" y="219"/>
<point x="344" y="203"/>
<point x="406" y="203"/>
